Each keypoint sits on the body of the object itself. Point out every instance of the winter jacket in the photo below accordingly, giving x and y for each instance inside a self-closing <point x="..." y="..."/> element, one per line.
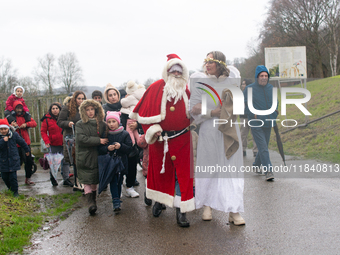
<point x="51" y="133"/>
<point x="10" y="101"/>
<point x="9" y="155"/>
<point x="143" y="144"/>
<point x="64" y="119"/>
<point x="262" y="100"/>
<point x="126" y="145"/>
<point x="112" y="107"/>
<point x="87" y="142"/>
<point x="23" y="132"/>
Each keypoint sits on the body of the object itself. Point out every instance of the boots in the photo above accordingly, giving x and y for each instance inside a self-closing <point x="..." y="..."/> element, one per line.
<point x="28" y="182"/>
<point x="236" y="218"/>
<point x="146" y="200"/>
<point x="182" y="220"/>
<point x="91" y="202"/>
<point x="207" y="213"/>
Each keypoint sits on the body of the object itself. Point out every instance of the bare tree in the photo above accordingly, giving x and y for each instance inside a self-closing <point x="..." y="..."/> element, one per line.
<point x="294" y="23"/>
<point x="332" y="20"/>
<point x="8" y="77"/>
<point x="148" y="82"/>
<point x="46" y="72"/>
<point x="70" y="72"/>
<point x="31" y="88"/>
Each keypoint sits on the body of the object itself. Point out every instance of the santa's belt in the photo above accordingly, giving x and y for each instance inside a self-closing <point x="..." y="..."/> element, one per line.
<point x="172" y="132"/>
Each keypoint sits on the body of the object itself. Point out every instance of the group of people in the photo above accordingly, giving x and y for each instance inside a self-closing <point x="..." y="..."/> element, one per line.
<point x="158" y="120"/>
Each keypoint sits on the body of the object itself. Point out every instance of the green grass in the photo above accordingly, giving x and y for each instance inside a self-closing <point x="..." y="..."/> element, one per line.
<point x="20" y="217"/>
<point x="319" y="140"/>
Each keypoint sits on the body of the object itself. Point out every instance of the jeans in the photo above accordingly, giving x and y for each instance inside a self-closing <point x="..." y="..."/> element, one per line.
<point x="11" y="181"/>
<point x="261" y="136"/>
<point x="116" y="189"/>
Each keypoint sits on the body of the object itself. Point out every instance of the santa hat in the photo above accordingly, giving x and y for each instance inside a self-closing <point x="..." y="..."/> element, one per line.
<point x="4" y="123"/>
<point x="113" y="115"/>
<point x="108" y="87"/>
<point x="173" y="59"/>
<point x="131" y="87"/>
<point x="19" y="87"/>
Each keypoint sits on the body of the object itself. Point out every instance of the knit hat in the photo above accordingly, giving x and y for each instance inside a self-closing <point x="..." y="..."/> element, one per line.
<point x="176" y="67"/>
<point x="113" y="115"/>
<point x="19" y="87"/>
<point x="131" y="87"/>
<point x="4" y="123"/>
<point x="108" y="87"/>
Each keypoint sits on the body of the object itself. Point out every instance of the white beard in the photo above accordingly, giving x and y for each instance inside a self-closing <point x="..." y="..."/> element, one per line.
<point x="175" y="87"/>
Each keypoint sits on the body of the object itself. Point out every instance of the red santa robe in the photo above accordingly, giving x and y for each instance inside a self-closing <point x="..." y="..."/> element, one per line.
<point x="156" y="113"/>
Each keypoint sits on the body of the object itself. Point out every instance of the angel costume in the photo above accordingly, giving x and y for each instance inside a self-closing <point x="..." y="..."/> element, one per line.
<point x="221" y="190"/>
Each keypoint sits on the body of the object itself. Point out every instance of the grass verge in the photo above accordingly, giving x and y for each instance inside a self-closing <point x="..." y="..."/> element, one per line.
<point x="21" y="216"/>
<point x="319" y="140"/>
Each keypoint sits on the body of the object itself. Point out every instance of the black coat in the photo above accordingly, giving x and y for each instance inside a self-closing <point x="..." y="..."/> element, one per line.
<point x="126" y="146"/>
<point x="9" y="155"/>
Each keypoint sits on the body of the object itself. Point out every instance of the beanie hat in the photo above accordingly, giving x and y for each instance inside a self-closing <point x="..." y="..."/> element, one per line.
<point x="173" y="59"/>
<point x="113" y="115"/>
<point x="109" y="86"/>
<point x="4" y="123"/>
<point x="131" y="87"/>
<point x="176" y="67"/>
<point x="19" y="87"/>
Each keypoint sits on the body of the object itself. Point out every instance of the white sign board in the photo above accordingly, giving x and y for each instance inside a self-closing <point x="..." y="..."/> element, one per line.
<point x="286" y="62"/>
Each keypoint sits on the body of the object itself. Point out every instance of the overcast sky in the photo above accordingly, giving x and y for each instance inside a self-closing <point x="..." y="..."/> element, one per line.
<point x="116" y="41"/>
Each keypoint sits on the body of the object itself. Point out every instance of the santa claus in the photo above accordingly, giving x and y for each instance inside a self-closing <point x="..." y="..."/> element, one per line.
<point x="163" y="112"/>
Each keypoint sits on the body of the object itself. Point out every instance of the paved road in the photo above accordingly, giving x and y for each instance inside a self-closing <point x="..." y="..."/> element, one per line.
<point x="287" y="216"/>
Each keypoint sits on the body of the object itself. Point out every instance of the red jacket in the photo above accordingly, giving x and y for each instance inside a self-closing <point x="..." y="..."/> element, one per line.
<point x="21" y="120"/>
<point x="51" y="133"/>
<point x="10" y="103"/>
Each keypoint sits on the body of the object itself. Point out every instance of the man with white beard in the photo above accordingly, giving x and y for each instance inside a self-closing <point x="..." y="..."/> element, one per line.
<point x="163" y="112"/>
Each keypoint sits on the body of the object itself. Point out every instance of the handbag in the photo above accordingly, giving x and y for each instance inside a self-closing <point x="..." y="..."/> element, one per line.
<point x="43" y="147"/>
<point x="44" y="163"/>
<point x="134" y="151"/>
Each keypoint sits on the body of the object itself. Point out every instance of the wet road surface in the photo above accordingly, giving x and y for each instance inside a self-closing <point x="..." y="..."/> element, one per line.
<point x="287" y="216"/>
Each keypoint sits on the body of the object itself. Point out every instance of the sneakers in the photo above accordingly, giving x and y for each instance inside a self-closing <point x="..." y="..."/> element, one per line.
<point x="207" y="213"/>
<point x="269" y="176"/>
<point x="131" y="192"/>
<point x="136" y="183"/>
<point x="68" y="183"/>
<point x="236" y="218"/>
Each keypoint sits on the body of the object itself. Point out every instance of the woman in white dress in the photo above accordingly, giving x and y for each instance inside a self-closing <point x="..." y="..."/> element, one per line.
<point x="214" y="188"/>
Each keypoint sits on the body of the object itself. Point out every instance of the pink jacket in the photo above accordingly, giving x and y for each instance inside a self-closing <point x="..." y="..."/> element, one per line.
<point x="10" y="101"/>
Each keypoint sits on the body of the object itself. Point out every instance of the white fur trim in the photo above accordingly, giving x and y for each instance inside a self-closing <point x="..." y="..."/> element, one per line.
<point x="145" y="120"/>
<point x="16" y="87"/>
<point x="4" y="126"/>
<point x="186" y="102"/>
<point x="160" y="197"/>
<point x="172" y="62"/>
<point x="149" y="136"/>
<point x="177" y="201"/>
<point x="187" y="206"/>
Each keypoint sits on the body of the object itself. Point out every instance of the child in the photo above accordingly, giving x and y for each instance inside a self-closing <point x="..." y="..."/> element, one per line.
<point x="87" y="141"/>
<point x="119" y="143"/>
<point x="17" y="96"/>
<point x="134" y="94"/>
<point x="98" y="96"/>
<point x="9" y="155"/>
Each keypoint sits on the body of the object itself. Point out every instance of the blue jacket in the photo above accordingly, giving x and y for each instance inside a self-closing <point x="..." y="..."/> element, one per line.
<point x="262" y="100"/>
<point x="9" y="155"/>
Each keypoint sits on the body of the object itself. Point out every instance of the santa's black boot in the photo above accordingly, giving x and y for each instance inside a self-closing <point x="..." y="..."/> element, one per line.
<point x="182" y="220"/>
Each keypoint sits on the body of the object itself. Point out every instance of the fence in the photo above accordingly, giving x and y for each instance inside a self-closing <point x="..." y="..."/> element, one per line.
<point x="37" y="106"/>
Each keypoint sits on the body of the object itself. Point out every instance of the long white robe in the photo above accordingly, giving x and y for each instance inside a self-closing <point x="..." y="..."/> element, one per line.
<point x="220" y="190"/>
